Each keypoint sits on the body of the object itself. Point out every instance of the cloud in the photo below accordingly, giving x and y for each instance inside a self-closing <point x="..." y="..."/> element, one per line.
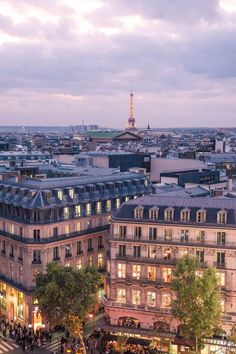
<point x="159" y="48"/>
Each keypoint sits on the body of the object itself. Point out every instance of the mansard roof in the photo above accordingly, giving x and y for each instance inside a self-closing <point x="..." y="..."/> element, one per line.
<point x="42" y="193"/>
<point x="211" y="205"/>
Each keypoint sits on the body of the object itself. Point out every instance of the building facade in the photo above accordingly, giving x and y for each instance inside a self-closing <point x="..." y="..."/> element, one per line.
<point x="148" y="237"/>
<point x="59" y="219"/>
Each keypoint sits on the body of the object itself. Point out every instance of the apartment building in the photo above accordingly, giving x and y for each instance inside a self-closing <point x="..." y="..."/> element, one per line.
<point x="58" y="219"/>
<point x="148" y="236"/>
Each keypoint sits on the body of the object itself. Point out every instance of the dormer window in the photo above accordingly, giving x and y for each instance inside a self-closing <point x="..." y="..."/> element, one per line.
<point x="169" y="214"/>
<point x="59" y="195"/>
<point x="153" y="213"/>
<point x="201" y="216"/>
<point x="138" y="212"/>
<point x="222" y="217"/>
<point x="185" y="215"/>
<point x="71" y="193"/>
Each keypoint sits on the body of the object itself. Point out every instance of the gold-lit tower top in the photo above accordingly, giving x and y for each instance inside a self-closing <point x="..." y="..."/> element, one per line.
<point x="131" y="121"/>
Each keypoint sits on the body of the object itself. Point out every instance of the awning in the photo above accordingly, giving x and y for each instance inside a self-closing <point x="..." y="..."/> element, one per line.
<point x="138" y="341"/>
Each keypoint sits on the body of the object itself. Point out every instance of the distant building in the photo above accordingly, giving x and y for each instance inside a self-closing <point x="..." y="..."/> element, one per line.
<point x="122" y="160"/>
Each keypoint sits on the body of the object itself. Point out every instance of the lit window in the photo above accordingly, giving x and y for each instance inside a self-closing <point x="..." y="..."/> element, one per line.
<point x="117" y="203"/>
<point x="167" y="235"/>
<point x="108" y="205"/>
<point x="66" y="213"/>
<point x="184" y="235"/>
<point x="100" y="260"/>
<point x="90" y="261"/>
<point x="153" y="213"/>
<point x="77" y="211"/>
<point x="169" y="214"/>
<point x="201" y="216"/>
<point x="200" y="236"/>
<point x="126" y="199"/>
<point x="121" y="295"/>
<point x="167" y="253"/>
<point x="136" y="297"/>
<point x="221" y="278"/>
<point x="151" y="273"/>
<point x="79" y="264"/>
<point x="151" y="299"/>
<point x="88" y="209"/>
<point x="71" y="193"/>
<point x="121" y="270"/>
<point x="222" y="217"/>
<point x="59" y="195"/>
<point x="99" y="207"/>
<point x="166" y="300"/>
<point x="136" y="271"/>
<point x="68" y="264"/>
<point x="138" y="212"/>
<point x="185" y="215"/>
<point x="152" y="252"/>
<point x="167" y="275"/>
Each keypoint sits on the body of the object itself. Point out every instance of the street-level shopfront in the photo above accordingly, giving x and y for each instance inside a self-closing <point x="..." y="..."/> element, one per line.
<point x="168" y="343"/>
<point x="17" y="306"/>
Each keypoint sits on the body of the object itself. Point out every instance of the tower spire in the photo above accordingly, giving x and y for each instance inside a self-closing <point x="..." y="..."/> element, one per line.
<point x="131" y="121"/>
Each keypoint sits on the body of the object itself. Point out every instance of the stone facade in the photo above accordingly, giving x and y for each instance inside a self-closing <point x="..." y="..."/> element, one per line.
<point x="148" y="236"/>
<point x="64" y="220"/>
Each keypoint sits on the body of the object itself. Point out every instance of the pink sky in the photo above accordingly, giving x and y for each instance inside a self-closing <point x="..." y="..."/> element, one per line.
<point x="64" y="61"/>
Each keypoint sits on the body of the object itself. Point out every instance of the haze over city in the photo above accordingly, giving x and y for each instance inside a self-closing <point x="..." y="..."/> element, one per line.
<point x="67" y="61"/>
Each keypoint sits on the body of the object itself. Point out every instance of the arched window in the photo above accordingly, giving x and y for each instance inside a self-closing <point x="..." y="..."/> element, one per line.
<point x="201" y="216"/>
<point x="185" y="214"/>
<point x="169" y="214"/>
<point x="153" y="213"/>
<point x="222" y="217"/>
<point x="138" y="212"/>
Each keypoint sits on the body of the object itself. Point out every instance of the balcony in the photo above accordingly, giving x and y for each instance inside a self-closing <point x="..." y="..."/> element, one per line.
<point x="36" y="261"/>
<point x="91" y="249"/>
<point x="176" y="242"/>
<point x="56" y="258"/>
<point x="108" y="303"/>
<point x="100" y="247"/>
<point x="144" y="280"/>
<point x="11" y="255"/>
<point x="171" y="261"/>
<point x="68" y="255"/>
<point x="20" y="259"/>
<point x="79" y="252"/>
<point x="220" y="265"/>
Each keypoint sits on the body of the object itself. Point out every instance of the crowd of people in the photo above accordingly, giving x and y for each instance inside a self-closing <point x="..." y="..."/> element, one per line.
<point x="24" y="336"/>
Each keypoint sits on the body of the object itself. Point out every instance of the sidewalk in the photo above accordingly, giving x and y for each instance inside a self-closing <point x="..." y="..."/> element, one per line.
<point x="91" y="324"/>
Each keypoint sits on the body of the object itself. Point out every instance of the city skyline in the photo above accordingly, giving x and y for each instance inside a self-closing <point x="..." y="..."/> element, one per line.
<point x="64" y="62"/>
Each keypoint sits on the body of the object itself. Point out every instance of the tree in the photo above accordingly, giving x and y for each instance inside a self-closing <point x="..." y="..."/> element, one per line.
<point x="197" y="304"/>
<point x="66" y="295"/>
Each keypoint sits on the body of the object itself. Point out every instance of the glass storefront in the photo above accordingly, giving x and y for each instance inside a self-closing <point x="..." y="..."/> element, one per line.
<point x="3" y="296"/>
<point x="20" y="302"/>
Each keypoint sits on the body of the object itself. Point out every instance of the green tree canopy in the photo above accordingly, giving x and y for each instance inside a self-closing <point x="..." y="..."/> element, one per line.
<point x="197" y="304"/>
<point x="66" y="295"/>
